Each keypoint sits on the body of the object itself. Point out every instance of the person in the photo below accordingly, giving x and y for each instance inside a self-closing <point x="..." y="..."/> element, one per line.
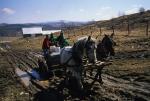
<point x="42" y="66"/>
<point x="46" y="45"/>
<point x="52" y="39"/>
<point x="61" y="40"/>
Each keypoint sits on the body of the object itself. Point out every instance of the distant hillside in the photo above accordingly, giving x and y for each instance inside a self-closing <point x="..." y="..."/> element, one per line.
<point x="16" y="29"/>
<point x="134" y="20"/>
<point x="135" y="24"/>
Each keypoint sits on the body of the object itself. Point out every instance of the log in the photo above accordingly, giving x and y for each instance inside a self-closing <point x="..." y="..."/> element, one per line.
<point x="39" y="84"/>
<point x="97" y="65"/>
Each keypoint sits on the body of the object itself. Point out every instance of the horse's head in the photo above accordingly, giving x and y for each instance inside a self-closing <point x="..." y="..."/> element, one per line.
<point x="106" y="47"/>
<point x="84" y="46"/>
<point x="90" y="47"/>
<point x="109" y="44"/>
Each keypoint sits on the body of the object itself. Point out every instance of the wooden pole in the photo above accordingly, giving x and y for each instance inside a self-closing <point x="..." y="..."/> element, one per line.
<point x="122" y="25"/>
<point x="82" y="31"/>
<point x="100" y="30"/>
<point x="128" y="27"/>
<point x="113" y="29"/>
<point x="147" y="25"/>
<point x="91" y="31"/>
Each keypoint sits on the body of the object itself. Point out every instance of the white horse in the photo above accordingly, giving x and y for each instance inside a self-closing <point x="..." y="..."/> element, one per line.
<point x="71" y="56"/>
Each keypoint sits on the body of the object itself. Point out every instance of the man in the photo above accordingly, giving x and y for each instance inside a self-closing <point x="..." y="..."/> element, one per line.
<point x="61" y="40"/>
<point x="46" y="46"/>
<point x="52" y="39"/>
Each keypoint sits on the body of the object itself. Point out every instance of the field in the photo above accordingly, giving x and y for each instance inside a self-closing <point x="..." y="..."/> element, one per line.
<point x="127" y="79"/>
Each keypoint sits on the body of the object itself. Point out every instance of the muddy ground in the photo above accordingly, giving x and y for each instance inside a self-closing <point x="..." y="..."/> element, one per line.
<point x="127" y="79"/>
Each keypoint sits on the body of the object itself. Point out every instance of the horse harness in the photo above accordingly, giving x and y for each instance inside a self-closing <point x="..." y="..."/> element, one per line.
<point x="72" y="57"/>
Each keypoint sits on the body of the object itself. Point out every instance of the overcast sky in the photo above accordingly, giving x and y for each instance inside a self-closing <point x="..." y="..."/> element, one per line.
<point x="28" y="11"/>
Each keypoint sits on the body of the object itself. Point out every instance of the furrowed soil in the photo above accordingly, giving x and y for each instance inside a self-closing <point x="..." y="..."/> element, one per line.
<point x="127" y="79"/>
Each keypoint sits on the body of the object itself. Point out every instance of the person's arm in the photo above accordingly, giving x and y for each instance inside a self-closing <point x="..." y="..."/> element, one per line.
<point x="48" y="43"/>
<point x="43" y="45"/>
<point x="57" y="39"/>
<point x="66" y="43"/>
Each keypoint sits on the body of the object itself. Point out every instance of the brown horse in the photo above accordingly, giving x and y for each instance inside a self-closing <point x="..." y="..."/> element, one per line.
<point x="105" y="48"/>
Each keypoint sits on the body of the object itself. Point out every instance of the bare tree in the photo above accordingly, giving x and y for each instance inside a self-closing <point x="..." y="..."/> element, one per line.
<point x="141" y="10"/>
<point x="122" y="23"/>
<point x="113" y="29"/>
<point x="73" y="28"/>
<point x="100" y="29"/>
<point x="91" y="30"/>
<point x="62" y="24"/>
<point x="121" y="14"/>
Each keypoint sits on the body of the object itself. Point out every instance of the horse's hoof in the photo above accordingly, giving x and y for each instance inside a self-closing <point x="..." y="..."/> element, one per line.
<point x="100" y="82"/>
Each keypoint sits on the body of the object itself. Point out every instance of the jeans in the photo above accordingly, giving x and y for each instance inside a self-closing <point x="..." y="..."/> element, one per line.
<point x="46" y="52"/>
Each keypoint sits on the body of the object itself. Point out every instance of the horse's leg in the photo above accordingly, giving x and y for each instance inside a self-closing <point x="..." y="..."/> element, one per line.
<point x="84" y="73"/>
<point x="74" y="79"/>
<point x="100" y="75"/>
<point x="79" y="76"/>
<point x="67" y="75"/>
<point x="82" y="70"/>
<point x="97" y="77"/>
<point x="91" y="72"/>
<point x="100" y="78"/>
<point x="112" y="52"/>
<point x="80" y="83"/>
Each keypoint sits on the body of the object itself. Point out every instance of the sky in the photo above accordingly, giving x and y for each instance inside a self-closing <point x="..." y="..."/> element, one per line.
<point x="34" y="11"/>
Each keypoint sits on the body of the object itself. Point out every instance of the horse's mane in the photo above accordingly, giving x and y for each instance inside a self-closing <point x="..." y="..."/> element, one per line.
<point x="107" y="39"/>
<point x="82" y="38"/>
<point x="82" y="41"/>
<point x="85" y="38"/>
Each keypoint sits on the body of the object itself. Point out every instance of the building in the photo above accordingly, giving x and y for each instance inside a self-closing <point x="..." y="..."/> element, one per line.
<point x="47" y="32"/>
<point x="32" y="32"/>
<point x="37" y="31"/>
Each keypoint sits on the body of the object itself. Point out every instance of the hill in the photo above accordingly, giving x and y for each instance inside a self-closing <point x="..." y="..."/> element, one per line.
<point x="135" y="20"/>
<point x="123" y="25"/>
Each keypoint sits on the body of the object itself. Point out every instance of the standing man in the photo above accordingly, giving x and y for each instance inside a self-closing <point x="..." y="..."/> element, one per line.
<point x="61" y="40"/>
<point x="52" y="39"/>
<point x="46" y="46"/>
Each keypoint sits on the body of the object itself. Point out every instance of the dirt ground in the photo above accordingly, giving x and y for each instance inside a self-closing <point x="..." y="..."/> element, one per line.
<point x="127" y="79"/>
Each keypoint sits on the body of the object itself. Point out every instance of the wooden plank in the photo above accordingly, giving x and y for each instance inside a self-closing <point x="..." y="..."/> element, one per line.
<point x="24" y="77"/>
<point x="42" y="85"/>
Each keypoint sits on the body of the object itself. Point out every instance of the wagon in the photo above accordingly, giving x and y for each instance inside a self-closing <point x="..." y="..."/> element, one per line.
<point x="92" y="71"/>
<point x="62" y="65"/>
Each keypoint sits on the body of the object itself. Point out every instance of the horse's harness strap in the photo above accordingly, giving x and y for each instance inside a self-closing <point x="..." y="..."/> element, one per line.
<point x="66" y="63"/>
<point x="69" y="58"/>
<point x="62" y="50"/>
